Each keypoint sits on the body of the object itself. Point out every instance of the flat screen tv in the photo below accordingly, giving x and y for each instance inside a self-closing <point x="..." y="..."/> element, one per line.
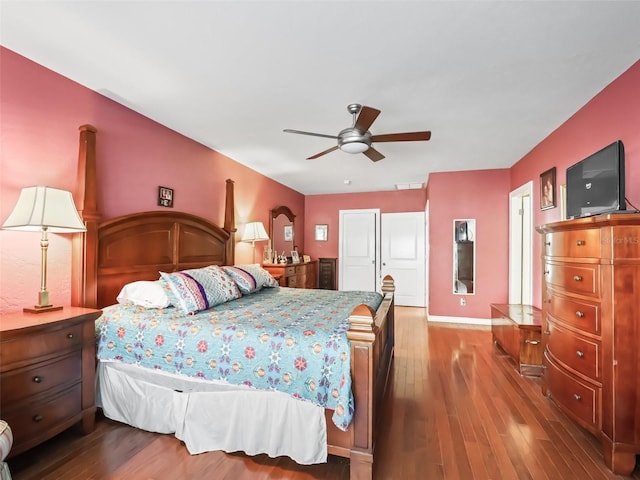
<point x="595" y="185"/>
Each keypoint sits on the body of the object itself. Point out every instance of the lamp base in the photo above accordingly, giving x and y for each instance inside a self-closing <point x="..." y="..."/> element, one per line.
<point x="42" y="308"/>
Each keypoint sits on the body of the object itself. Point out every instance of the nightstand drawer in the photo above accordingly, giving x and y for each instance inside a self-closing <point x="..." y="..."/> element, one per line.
<point x="29" y="348"/>
<point x="35" y="419"/>
<point x="26" y="382"/>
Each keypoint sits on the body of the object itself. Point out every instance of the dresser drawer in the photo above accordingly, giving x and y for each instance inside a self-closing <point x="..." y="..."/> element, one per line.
<point x="576" y="352"/>
<point x="293" y="281"/>
<point x="26" y="349"/>
<point x="34" y="419"/>
<point x="579" y="398"/>
<point x="290" y="270"/>
<point x="582" y="315"/>
<point x="25" y="382"/>
<point x="580" y="279"/>
<point x="581" y="244"/>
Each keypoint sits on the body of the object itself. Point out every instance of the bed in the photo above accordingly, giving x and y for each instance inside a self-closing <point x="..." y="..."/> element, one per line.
<point x="136" y="247"/>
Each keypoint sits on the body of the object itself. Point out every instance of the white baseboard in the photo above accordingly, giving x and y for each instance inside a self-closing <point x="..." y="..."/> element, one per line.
<point x="462" y="320"/>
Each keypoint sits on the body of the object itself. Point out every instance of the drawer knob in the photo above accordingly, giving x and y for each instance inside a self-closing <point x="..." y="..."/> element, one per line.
<point x="548" y="244"/>
<point x="37" y="379"/>
<point x="546" y="272"/>
<point x="547" y="332"/>
<point x="576" y="397"/>
<point x="532" y="342"/>
<point x="38" y="418"/>
<point x="70" y="336"/>
<point x="579" y="354"/>
<point x="579" y="314"/>
<point x="580" y="243"/>
<point x="577" y="278"/>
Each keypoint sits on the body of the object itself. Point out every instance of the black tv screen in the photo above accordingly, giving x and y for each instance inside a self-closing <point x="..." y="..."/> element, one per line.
<point x="595" y="185"/>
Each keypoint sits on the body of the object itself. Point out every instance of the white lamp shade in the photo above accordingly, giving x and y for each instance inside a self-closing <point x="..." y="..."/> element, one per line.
<point x="40" y="207"/>
<point x="254" y="232"/>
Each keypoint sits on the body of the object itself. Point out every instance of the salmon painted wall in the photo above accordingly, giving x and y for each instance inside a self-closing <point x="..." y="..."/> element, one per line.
<point x="41" y="113"/>
<point x="324" y="209"/>
<point x="613" y="114"/>
<point x="482" y="195"/>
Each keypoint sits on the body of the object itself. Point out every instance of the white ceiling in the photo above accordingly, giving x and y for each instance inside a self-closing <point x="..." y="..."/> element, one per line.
<point x="490" y="79"/>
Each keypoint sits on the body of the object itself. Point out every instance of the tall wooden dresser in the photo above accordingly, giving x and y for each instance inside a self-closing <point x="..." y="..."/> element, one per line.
<point x="327" y="273"/>
<point x="591" y="328"/>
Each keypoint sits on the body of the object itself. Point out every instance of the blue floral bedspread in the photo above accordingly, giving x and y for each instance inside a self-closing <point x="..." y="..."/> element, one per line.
<point x="286" y="339"/>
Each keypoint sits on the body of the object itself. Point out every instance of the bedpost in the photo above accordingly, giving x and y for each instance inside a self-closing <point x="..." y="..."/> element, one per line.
<point x="230" y="222"/>
<point x="371" y="335"/>
<point x="84" y="290"/>
<point x="362" y="337"/>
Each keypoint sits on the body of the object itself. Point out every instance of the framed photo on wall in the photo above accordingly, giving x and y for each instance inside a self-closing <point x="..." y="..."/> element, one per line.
<point x="165" y="197"/>
<point x="548" y="189"/>
<point x="322" y="233"/>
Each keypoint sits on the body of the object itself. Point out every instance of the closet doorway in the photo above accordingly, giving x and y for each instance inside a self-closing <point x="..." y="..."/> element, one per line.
<point x="521" y="245"/>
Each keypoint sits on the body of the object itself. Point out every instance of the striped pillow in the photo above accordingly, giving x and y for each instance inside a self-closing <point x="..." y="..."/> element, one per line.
<point x="199" y="289"/>
<point x="250" y="278"/>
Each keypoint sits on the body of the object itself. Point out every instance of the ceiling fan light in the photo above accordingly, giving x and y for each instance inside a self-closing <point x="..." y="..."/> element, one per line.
<point x="354" y="147"/>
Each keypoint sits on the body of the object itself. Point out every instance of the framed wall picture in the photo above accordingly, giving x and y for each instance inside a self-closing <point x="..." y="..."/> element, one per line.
<point x="322" y="233"/>
<point x="548" y="189"/>
<point x="165" y="197"/>
<point x="288" y="233"/>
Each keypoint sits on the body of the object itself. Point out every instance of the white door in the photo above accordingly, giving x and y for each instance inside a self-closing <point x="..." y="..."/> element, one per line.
<point x="403" y="256"/>
<point x="520" y="245"/>
<point x="358" y="254"/>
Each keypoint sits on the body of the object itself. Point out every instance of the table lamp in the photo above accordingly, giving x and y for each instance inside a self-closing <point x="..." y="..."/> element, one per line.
<point x="44" y="209"/>
<point x="254" y="232"/>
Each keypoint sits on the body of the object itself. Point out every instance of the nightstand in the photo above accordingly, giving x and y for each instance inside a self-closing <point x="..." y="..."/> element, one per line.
<point x="47" y="373"/>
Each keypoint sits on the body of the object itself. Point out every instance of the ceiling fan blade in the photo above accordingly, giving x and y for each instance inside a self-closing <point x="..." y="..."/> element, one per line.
<point x="288" y="130"/>
<point x="373" y="154"/>
<point x="401" y="137"/>
<point x="366" y="117"/>
<point x="328" y="150"/>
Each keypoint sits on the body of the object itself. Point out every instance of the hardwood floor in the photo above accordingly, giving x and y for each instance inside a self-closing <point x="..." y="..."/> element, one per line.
<point x="457" y="409"/>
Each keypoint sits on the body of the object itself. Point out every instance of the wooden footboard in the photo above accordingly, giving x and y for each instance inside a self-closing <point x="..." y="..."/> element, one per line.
<point x="372" y="340"/>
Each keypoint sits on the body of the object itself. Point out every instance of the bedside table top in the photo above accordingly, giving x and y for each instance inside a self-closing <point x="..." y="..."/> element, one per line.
<point x="18" y="320"/>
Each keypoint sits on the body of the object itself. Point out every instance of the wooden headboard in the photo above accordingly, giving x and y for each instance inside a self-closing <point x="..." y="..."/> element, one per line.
<point x="138" y="246"/>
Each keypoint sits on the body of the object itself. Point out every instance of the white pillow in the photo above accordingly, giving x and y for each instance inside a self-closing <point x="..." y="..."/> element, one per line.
<point x="144" y="293"/>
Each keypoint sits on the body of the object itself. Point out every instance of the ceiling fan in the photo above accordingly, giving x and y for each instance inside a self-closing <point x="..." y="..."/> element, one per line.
<point x="358" y="139"/>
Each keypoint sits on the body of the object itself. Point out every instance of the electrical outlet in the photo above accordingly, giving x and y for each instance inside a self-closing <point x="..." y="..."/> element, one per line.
<point x="463" y="301"/>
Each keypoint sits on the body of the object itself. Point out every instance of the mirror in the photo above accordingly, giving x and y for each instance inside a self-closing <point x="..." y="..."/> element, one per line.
<point x="282" y="231"/>
<point x="464" y="254"/>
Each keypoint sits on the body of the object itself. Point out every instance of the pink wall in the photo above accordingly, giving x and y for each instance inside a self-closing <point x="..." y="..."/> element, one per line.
<point x="482" y="195"/>
<point x="613" y="114"/>
<point x="324" y="209"/>
<point x="41" y="113"/>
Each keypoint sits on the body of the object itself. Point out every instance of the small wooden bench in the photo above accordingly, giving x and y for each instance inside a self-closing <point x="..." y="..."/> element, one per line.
<point x="517" y="330"/>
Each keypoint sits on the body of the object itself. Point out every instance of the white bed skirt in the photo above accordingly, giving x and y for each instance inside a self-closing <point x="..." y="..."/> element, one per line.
<point x="210" y="416"/>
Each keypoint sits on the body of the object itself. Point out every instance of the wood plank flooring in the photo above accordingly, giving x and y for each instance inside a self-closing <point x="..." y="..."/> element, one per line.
<point x="457" y="409"/>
